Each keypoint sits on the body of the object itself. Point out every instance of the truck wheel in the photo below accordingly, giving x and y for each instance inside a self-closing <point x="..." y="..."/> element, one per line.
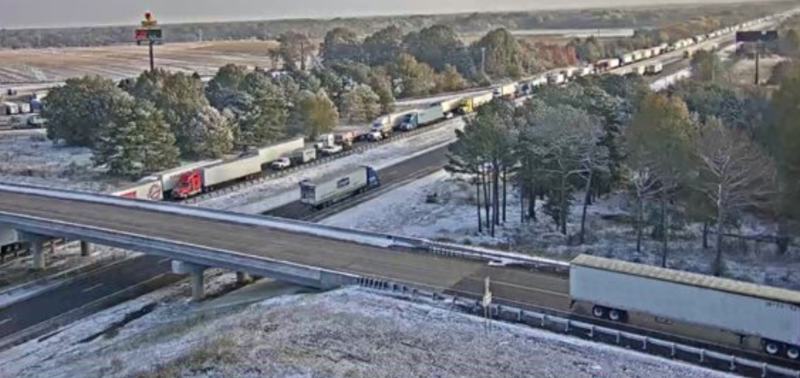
<point x="793" y="353"/>
<point x="615" y="315"/>
<point x="772" y="348"/>
<point x="598" y="311"/>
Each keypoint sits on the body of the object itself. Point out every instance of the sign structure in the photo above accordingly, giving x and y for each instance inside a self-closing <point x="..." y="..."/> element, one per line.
<point x="149" y="33"/>
<point x="757" y="36"/>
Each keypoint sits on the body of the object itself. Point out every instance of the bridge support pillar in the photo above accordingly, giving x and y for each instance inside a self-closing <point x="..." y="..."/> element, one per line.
<point x="242" y="278"/>
<point x="195" y="272"/>
<point x="86" y="248"/>
<point x="37" y="249"/>
<point x="37" y="246"/>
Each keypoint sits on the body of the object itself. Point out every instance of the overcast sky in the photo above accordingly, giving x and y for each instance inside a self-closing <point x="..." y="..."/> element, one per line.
<point x="38" y="13"/>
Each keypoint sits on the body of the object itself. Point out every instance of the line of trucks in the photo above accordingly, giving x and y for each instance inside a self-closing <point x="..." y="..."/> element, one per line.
<point x="200" y="177"/>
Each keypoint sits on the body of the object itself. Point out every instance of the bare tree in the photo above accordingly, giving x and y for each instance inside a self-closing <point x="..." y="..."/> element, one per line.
<point x="643" y="183"/>
<point x="564" y="141"/>
<point x="734" y="173"/>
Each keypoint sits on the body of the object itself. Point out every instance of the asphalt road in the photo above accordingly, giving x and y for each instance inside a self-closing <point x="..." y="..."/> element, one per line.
<point x="62" y="299"/>
<point x="396" y="264"/>
<point x="101" y="283"/>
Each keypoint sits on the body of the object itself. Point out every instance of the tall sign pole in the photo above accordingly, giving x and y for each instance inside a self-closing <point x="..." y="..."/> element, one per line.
<point x="757" y="39"/>
<point x="151" y="35"/>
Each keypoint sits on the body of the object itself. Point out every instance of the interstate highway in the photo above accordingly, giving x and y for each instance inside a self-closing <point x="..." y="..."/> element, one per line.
<point x="50" y="304"/>
<point x="396" y="264"/>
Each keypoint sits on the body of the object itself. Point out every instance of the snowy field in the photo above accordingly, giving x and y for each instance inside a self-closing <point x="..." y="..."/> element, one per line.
<point x="345" y="333"/>
<point x="454" y="219"/>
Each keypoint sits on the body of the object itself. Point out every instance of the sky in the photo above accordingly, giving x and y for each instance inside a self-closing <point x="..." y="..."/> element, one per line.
<point x="55" y="13"/>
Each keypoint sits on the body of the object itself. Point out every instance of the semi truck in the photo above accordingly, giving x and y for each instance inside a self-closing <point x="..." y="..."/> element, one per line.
<point x="748" y="315"/>
<point x="471" y="103"/>
<point x="345" y="139"/>
<point x="274" y="151"/>
<point x="654" y="69"/>
<point x="204" y="179"/>
<point x="506" y="90"/>
<point x="556" y="78"/>
<point x="387" y="123"/>
<point x="448" y="107"/>
<point x="328" y="190"/>
<point x="169" y="179"/>
<point x="304" y="156"/>
<point x="422" y="118"/>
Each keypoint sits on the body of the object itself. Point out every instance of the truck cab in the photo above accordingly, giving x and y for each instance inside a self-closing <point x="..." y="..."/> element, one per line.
<point x="325" y="140"/>
<point x="190" y="184"/>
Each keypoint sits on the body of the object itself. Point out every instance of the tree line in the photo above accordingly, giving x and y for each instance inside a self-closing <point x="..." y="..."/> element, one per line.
<point x="462" y="23"/>
<point x="703" y="152"/>
<point x="151" y="123"/>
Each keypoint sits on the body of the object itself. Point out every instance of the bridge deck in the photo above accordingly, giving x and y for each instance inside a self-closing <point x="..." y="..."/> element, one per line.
<point x="512" y="284"/>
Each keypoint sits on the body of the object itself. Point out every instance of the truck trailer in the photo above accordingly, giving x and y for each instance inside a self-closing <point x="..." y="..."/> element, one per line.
<point x="148" y="188"/>
<point x="203" y="179"/>
<point x="755" y="316"/>
<point x="422" y="118"/>
<point x="506" y="90"/>
<point x="169" y="179"/>
<point x="331" y="189"/>
<point x="274" y="151"/>
<point x="471" y="103"/>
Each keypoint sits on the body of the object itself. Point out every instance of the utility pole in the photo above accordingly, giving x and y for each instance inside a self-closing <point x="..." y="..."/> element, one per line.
<point x="152" y="57"/>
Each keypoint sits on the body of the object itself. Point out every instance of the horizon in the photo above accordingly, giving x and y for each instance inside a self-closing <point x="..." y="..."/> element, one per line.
<point x="24" y="14"/>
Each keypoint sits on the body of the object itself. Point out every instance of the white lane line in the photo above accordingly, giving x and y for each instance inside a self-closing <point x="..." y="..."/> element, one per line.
<point x="4" y="321"/>
<point x="92" y="288"/>
<point x="163" y="260"/>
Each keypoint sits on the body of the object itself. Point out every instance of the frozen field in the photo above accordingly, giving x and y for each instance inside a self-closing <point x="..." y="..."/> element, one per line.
<point x="344" y="333"/>
<point x="122" y="61"/>
<point x="404" y="211"/>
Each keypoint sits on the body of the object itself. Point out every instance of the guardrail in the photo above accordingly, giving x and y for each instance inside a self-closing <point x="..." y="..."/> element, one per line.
<point x="357" y="236"/>
<point x="560" y="324"/>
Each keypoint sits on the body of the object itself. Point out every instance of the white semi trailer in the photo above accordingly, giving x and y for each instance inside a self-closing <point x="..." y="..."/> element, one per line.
<point x="328" y="190"/>
<point x="764" y="317"/>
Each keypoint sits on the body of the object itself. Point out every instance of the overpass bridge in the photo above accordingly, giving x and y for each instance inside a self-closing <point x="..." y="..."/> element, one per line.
<point x="292" y="251"/>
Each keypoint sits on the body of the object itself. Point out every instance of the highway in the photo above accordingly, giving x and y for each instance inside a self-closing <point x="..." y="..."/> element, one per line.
<point x="146" y="267"/>
<point x="71" y="296"/>
<point x="514" y="285"/>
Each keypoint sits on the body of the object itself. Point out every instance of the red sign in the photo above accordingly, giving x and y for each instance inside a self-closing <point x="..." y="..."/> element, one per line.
<point x="155" y="192"/>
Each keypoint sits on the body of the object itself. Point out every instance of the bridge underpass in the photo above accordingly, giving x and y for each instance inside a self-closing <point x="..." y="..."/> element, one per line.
<point x="295" y="257"/>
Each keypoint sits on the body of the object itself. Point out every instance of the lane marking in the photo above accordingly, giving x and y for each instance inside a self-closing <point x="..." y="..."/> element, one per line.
<point x="88" y="289"/>
<point x="164" y="260"/>
<point x="4" y="321"/>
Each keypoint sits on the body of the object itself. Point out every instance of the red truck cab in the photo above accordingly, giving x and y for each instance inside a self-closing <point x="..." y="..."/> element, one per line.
<point x="190" y="184"/>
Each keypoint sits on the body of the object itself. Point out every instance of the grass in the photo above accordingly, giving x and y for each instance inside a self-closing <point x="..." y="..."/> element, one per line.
<point x="217" y="351"/>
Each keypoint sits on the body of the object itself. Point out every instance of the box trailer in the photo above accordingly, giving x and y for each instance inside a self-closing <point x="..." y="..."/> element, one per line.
<point x="10" y="108"/>
<point x="422" y="118"/>
<point x="274" y="151"/>
<point x="471" y="103"/>
<point x="170" y="178"/>
<point x="231" y="170"/>
<point x="328" y="190"/>
<point x="146" y="189"/>
<point x="654" y="69"/>
<point x="448" y="106"/>
<point x="304" y="156"/>
<point x="616" y="287"/>
<point x="505" y="90"/>
<point x="9" y="239"/>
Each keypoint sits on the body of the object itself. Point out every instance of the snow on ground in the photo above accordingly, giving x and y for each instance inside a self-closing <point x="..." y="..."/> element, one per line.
<point x="609" y="232"/>
<point x="32" y="159"/>
<point x="275" y="193"/>
<point x="347" y="332"/>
